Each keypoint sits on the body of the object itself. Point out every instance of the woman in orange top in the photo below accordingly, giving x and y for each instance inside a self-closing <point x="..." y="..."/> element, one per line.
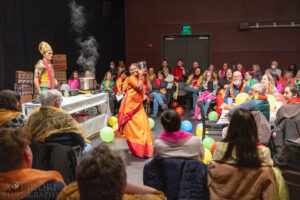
<point x="133" y="121"/>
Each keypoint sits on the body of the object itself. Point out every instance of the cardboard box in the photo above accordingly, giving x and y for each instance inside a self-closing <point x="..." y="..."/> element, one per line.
<point x="24" y="77"/>
<point x="59" y="58"/>
<point x="25" y="99"/>
<point x="60" y="66"/>
<point x="60" y="75"/>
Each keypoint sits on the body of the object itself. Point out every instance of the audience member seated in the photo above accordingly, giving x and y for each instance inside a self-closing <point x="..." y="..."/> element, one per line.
<point x="191" y="70"/>
<point x="211" y="68"/>
<point x="240" y="161"/>
<point x="121" y="65"/>
<point x="113" y="69"/>
<point x="223" y="84"/>
<point x="296" y="79"/>
<point x="89" y="74"/>
<point x="249" y="79"/>
<point x="278" y="84"/>
<point x="169" y="78"/>
<point x="256" y="72"/>
<point x="193" y="83"/>
<point x="175" y="142"/>
<point x="10" y="110"/>
<point x="293" y="69"/>
<point x="49" y="123"/>
<point x="227" y="79"/>
<point x="215" y="77"/>
<point x="236" y="87"/>
<point x="274" y="69"/>
<point x="285" y="78"/>
<point x="258" y="102"/>
<point x="239" y="68"/>
<point x="269" y="82"/>
<point x="290" y="110"/>
<point x="102" y="175"/>
<point x="121" y="88"/>
<point x="158" y="94"/>
<point x="164" y="63"/>
<point x="74" y="81"/>
<point x="179" y="71"/>
<point x="151" y="74"/>
<point x="287" y="158"/>
<point x="108" y="82"/>
<point x="17" y="179"/>
<point x="207" y="94"/>
<point x="223" y="70"/>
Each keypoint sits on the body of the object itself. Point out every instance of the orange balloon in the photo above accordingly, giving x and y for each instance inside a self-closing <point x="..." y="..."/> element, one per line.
<point x="279" y="97"/>
<point x="179" y="110"/>
<point x="175" y="104"/>
<point x="213" y="147"/>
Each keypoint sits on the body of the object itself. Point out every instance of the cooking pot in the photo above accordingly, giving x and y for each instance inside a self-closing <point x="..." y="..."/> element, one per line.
<point x="86" y="83"/>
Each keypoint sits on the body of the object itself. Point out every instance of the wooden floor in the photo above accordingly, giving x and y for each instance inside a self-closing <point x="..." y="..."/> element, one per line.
<point x="135" y="165"/>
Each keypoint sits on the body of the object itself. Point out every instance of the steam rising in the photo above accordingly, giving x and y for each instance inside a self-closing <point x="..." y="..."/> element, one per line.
<point x="88" y="48"/>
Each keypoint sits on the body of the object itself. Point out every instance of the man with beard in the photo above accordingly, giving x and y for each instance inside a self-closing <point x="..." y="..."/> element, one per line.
<point x="237" y="86"/>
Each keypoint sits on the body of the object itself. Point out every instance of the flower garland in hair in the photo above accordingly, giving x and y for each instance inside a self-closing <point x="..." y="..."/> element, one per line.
<point x="241" y="91"/>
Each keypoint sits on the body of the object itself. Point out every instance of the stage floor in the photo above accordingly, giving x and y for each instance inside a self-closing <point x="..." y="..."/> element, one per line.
<point x="135" y="165"/>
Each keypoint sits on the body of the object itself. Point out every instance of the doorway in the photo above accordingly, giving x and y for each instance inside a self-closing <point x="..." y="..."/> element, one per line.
<point x="189" y="48"/>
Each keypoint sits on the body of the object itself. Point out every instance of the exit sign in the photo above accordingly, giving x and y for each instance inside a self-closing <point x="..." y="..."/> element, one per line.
<point x="186" y="30"/>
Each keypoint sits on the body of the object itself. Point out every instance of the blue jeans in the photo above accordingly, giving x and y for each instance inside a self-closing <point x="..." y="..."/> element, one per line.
<point x="206" y="105"/>
<point x="195" y="94"/>
<point x="158" y="100"/>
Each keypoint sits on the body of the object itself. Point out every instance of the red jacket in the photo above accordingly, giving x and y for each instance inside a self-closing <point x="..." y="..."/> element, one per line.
<point x="283" y="81"/>
<point x="177" y="72"/>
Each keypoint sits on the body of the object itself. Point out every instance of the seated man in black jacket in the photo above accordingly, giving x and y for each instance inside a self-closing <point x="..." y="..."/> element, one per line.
<point x="17" y="179"/>
<point x="49" y="123"/>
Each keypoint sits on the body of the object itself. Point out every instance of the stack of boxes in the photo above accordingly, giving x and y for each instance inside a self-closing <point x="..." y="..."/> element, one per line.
<point x="60" y="68"/>
<point x="24" y="85"/>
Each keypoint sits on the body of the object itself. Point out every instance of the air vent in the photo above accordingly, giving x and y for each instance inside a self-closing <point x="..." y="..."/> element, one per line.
<point x="203" y="38"/>
<point x="169" y="38"/>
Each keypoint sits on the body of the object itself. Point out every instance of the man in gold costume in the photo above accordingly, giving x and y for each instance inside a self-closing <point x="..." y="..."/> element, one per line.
<point x="44" y="74"/>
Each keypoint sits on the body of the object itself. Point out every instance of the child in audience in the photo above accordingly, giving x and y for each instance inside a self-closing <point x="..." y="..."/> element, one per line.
<point x="108" y="82"/>
<point x="174" y="142"/>
<point x="74" y="81"/>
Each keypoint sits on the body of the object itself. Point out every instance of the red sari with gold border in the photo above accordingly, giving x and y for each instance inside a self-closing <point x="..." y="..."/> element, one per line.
<point x="134" y="122"/>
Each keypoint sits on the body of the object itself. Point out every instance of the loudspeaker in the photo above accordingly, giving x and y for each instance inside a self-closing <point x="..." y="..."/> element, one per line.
<point x="106" y="9"/>
<point x="244" y="26"/>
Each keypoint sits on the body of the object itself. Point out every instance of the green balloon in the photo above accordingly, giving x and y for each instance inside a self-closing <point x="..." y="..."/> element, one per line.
<point x="213" y="116"/>
<point x="107" y="134"/>
<point x="208" y="142"/>
<point x="151" y="123"/>
<point x="272" y="101"/>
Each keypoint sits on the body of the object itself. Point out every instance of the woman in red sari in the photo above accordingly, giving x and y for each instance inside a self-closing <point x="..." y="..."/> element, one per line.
<point x="133" y="121"/>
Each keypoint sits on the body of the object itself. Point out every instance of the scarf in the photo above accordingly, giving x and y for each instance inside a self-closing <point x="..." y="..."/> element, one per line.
<point x="49" y="73"/>
<point x="7" y="115"/>
<point x="294" y="100"/>
<point x="47" y="120"/>
<point x="260" y="97"/>
<point x="175" y="137"/>
<point x="27" y="181"/>
<point x="241" y="88"/>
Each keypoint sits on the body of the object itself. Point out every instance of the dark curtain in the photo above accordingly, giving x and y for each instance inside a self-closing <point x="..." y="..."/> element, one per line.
<point x="24" y="24"/>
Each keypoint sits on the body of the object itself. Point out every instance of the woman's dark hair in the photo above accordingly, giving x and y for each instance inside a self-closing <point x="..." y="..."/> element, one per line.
<point x="215" y="71"/>
<point x="295" y="89"/>
<point x="242" y="136"/>
<point x="170" y="120"/>
<point x="9" y="100"/>
<point x="72" y="75"/>
<point x="160" y="72"/>
<point x="124" y="72"/>
<point x="225" y="77"/>
<point x="275" y="76"/>
<point x="293" y="71"/>
<point x="250" y="73"/>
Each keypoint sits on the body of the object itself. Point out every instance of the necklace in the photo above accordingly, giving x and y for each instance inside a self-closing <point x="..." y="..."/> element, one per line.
<point x="241" y="91"/>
